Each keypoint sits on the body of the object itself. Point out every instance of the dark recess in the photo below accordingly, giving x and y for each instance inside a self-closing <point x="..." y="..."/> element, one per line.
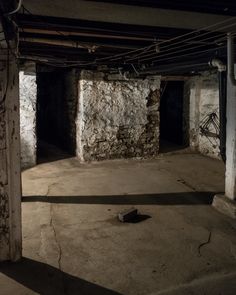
<point x="56" y="110"/>
<point x="171" y="112"/>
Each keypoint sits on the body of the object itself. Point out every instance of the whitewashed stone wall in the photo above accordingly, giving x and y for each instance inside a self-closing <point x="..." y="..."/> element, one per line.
<point x="117" y="118"/>
<point x="204" y="107"/>
<point x="28" y="93"/>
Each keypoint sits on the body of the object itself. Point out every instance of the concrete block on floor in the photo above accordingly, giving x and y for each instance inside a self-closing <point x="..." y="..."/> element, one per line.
<point x="128" y="215"/>
<point x="225" y="205"/>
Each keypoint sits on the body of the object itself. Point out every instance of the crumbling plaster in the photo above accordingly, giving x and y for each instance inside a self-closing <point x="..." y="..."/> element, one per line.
<point x="117" y="118"/>
<point x="28" y="94"/>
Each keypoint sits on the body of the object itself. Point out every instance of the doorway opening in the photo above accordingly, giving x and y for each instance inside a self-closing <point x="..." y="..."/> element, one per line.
<point x="56" y="115"/>
<point x="173" y="117"/>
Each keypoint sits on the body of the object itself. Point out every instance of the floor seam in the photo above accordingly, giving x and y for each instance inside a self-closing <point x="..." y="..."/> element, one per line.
<point x="59" y="249"/>
<point x="56" y="238"/>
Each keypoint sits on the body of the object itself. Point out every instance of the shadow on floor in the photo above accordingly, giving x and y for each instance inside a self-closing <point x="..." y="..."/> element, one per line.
<point x="138" y="218"/>
<point x="50" y="153"/>
<point x="185" y="198"/>
<point x="169" y="147"/>
<point x="45" y="279"/>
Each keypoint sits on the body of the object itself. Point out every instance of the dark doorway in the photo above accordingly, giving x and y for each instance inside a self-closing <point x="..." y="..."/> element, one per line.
<point x="173" y="131"/>
<point x="56" y="115"/>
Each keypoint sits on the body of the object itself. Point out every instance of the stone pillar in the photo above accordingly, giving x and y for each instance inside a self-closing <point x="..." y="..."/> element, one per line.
<point x="226" y="203"/>
<point x="230" y="174"/>
<point x="117" y="117"/>
<point x="28" y="94"/>
<point x="10" y="179"/>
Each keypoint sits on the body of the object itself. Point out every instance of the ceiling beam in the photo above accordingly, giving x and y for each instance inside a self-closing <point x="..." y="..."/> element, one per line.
<point x="126" y="14"/>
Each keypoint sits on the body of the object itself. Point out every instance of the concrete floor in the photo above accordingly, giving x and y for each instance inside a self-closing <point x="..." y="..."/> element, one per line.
<point x="74" y="244"/>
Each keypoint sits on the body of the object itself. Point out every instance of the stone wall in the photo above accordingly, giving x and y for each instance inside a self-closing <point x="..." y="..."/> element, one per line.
<point x="204" y="114"/>
<point x="28" y="94"/>
<point x="117" y="118"/>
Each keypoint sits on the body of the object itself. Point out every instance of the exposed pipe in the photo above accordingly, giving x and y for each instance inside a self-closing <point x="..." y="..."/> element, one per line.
<point x="17" y="8"/>
<point x="219" y="64"/>
<point x="86" y="34"/>
<point x="230" y="54"/>
<point x="222" y="112"/>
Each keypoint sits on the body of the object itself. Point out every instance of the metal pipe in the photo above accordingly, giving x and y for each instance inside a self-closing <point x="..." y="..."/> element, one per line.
<point x="15" y="10"/>
<point x="230" y="56"/>
<point x="219" y="64"/>
<point x="222" y="113"/>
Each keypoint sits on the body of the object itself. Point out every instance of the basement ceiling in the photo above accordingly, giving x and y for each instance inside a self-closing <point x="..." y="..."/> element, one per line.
<point x="136" y="36"/>
<point x="210" y="6"/>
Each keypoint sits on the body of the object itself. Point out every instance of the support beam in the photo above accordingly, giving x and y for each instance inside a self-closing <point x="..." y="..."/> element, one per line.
<point x="230" y="176"/>
<point x="10" y="177"/>
<point x="227" y="203"/>
<point x="10" y="174"/>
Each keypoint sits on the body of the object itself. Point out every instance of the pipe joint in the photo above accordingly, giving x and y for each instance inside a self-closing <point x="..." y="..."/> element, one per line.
<point x="217" y="63"/>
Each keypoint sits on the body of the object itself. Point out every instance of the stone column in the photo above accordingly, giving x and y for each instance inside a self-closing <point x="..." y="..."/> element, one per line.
<point x="10" y="179"/>
<point x="230" y="174"/>
<point x="226" y="203"/>
<point x="117" y="117"/>
<point x="28" y="94"/>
